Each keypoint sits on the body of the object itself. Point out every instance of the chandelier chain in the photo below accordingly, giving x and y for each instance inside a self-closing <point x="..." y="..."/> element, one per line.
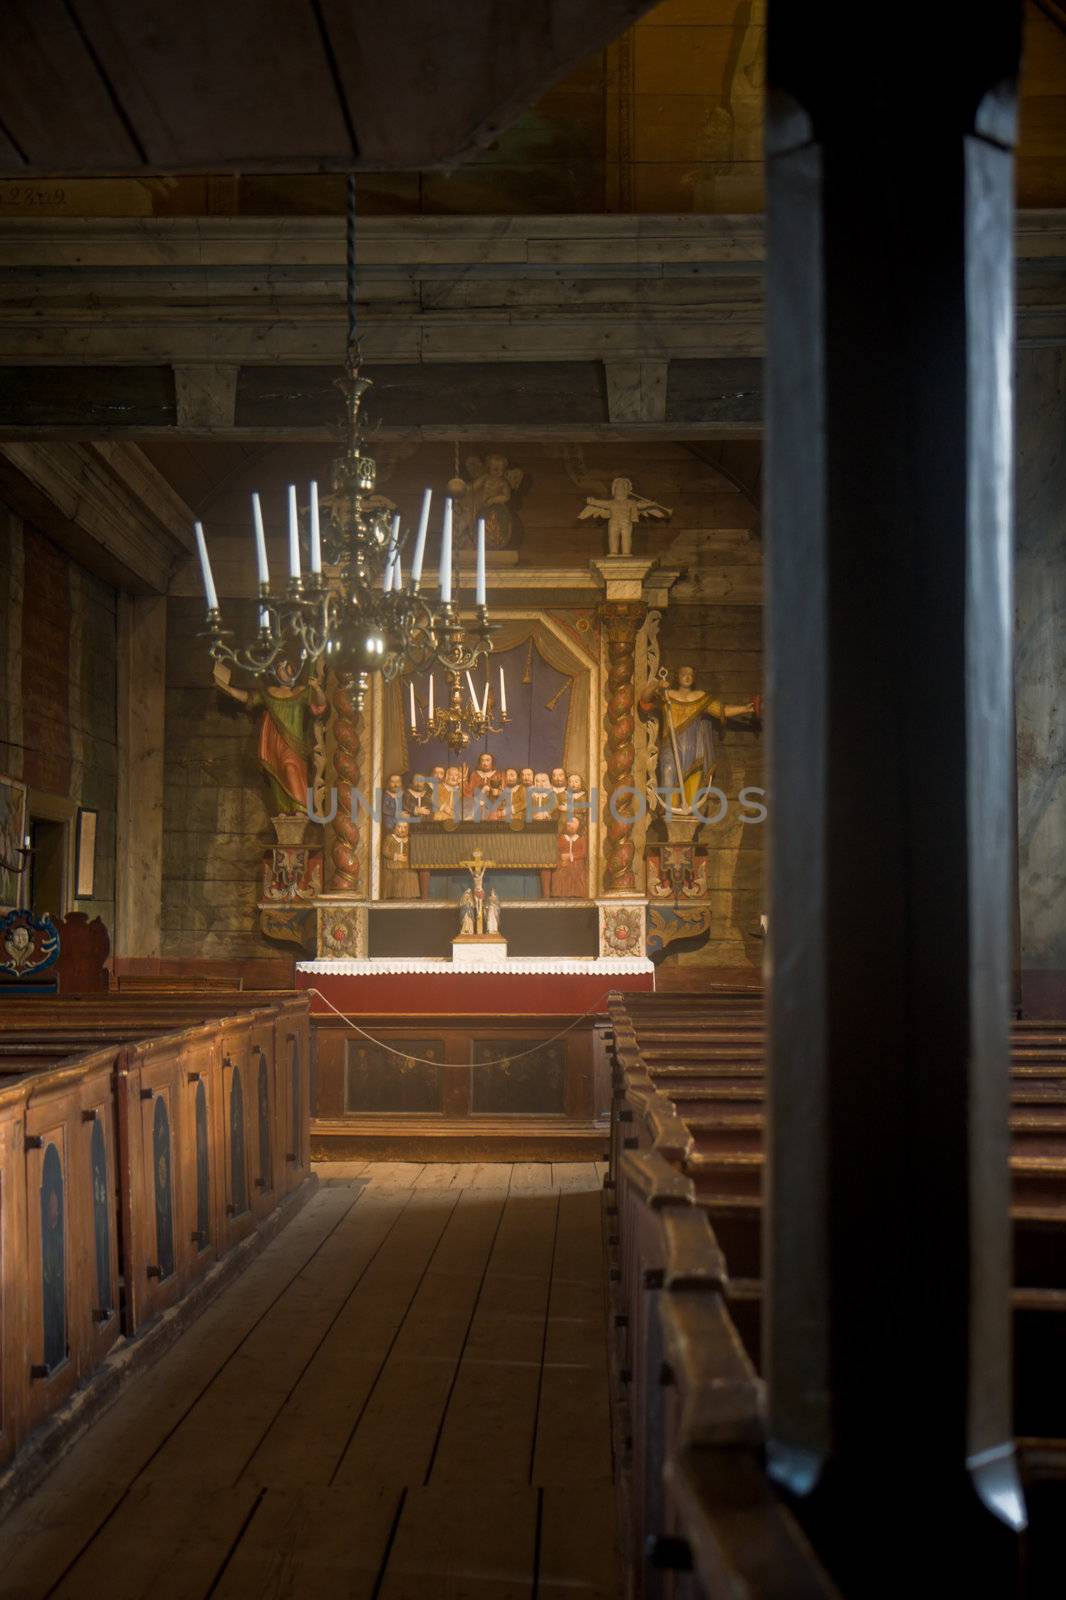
<point x="350" y="300"/>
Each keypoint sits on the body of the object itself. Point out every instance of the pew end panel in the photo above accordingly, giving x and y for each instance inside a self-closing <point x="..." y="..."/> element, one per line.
<point x="265" y="1152"/>
<point x="160" y="1256"/>
<point x="58" y="1294"/>
<point x="14" y="1270"/>
<point x="100" y="1206"/>
<point x="239" y="1136"/>
<point x="293" y="1043"/>
<point x="202" y="1174"/>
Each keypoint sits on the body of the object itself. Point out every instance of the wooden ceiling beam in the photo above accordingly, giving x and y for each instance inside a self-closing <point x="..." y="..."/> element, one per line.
<point x="220" y="293"/>
<point x="583" y="399"/>
<point x="105" y="503"/>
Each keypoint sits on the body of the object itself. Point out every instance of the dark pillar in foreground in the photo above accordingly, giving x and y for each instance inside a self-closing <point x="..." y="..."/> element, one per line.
<point x="890" y="220"/>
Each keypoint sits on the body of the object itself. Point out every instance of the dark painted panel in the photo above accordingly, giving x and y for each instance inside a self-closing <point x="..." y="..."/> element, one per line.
<point x="442" y="394"/>
<point x="164" y="1190"/>
<point x="266" y="1176"/>
<point x="531" y="1084"/>
<point x="715" y="391"/>
<point x="101" y="1219"/>
<point x="376" y="1080"/>
<point x="203" y="1172"/>
<point x="55" y="397"/>
<point x="429" y="930"/>
<point x="238" y="1159"/>
<point x="53" y="1260"/>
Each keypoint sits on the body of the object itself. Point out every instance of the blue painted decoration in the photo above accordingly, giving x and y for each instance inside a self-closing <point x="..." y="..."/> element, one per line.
<point x="164" y="1190"/>
<point x="101" y="1219"/>
<point x="53" y="1261"/>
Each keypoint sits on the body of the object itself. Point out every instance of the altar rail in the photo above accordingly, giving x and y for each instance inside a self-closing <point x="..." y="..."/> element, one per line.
<point x="140" y="1142"/>
<point x="684" y="1200"/>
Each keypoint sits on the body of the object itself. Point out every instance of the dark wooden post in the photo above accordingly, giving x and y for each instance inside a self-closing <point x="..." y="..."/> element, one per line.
<point x="890" y="227"/>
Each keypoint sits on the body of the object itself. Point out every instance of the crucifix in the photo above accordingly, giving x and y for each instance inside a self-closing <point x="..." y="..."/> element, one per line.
<point x="472" y="901"/>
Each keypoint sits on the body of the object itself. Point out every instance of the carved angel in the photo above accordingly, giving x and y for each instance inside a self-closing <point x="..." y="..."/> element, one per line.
<point x="621" y="512"/>
<point x="486" y="492"/>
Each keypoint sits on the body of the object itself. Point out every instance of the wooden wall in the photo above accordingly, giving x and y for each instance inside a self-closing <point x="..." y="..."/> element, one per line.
<point x="667" y="119"/>
<point x="1040" y="584"/>
<point x="711" y="502"/>
<point x="58" y="686"/>
<point x="216" y="821"/>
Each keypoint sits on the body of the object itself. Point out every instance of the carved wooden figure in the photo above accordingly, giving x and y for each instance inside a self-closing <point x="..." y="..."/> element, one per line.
<point x="621" y="513"/>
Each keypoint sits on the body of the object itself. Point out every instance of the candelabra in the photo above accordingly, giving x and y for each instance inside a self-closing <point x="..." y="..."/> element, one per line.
<point x="456" y="723"/>
<point x="360" y="613"/>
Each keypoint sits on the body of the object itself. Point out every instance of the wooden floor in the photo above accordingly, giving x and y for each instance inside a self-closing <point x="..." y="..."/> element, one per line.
<point x="404" y="1396"/>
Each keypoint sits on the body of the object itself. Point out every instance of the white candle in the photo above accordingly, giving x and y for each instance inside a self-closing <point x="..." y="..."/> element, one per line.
<point x="479" y="593"/>
<point x="392" y="559"/>
<point x="474" y="701"/>
<point x="260" y="541"/>
<point x="210" y="592"/>
<point x="420" y="541"/>
<point x="446" y="554"/>
<point x="485" y="696"/>
<point x="294" y="535"/>
<point x="414" y="721"/>
<point x="431" y="697"/>
<point x="503" y="695"/>
<point x="397" y="571"/>
<point x="25" y="841"/>
<point x="316" y="531"/>
<point x="264" y="617"/>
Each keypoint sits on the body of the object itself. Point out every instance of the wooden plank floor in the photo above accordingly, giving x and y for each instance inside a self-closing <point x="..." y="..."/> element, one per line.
<point x="405" y="1395"/>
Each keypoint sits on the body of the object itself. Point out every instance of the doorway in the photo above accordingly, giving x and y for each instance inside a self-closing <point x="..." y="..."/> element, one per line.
<point x="48" y="887"/>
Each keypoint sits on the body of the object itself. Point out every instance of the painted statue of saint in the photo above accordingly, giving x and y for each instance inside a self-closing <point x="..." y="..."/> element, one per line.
<point x="286" y="738"/>
<point x="687" y="719"/>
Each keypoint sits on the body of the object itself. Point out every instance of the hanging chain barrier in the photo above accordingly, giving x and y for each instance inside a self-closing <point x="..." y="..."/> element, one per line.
<point x="501" y="1061"/>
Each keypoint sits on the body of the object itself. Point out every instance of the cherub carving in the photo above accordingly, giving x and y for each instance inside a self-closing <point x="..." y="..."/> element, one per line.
<point x="486" y="492"/>
<point x="621" y="512"/>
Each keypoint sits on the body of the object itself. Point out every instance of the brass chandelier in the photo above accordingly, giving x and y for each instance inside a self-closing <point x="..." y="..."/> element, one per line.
<point x="457" y="723"/>
<point x="353" y="606"/>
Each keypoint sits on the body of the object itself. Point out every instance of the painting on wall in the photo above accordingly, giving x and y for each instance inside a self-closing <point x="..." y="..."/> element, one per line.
<point x="85" y="855"/>
<point x="12" y="837"/>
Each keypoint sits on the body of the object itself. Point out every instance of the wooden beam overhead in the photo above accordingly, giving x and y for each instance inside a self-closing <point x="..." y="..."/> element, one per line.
<point x="704" y="399"/>
<point x="105" y="503"/>
<point x="222" y="293"/>
<point x="135" y="87"/>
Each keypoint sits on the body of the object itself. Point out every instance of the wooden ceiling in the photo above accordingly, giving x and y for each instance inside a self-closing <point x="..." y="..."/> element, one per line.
<point x="148" y="86"/>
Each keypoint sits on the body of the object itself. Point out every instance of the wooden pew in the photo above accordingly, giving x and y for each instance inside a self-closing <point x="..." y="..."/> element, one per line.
<point x="687" y="1136"/>
<point x="122" y="1145"/>
<point x="156" y="983"/>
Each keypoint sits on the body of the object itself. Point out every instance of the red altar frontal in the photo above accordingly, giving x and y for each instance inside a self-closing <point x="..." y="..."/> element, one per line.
<point x="418" y="1060"/>
<point x="418" y="989"/>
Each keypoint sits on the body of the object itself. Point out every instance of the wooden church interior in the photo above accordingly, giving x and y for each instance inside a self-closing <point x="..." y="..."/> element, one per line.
<point x="559" y="1091"/>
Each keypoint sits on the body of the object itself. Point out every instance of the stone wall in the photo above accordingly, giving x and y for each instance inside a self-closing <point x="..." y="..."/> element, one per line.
<point x="58" y="687"/>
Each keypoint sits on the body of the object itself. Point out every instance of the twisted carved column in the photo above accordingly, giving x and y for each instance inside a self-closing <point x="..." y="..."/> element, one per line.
<point x="347" y="762"/>
<point x="622" y="622"/>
